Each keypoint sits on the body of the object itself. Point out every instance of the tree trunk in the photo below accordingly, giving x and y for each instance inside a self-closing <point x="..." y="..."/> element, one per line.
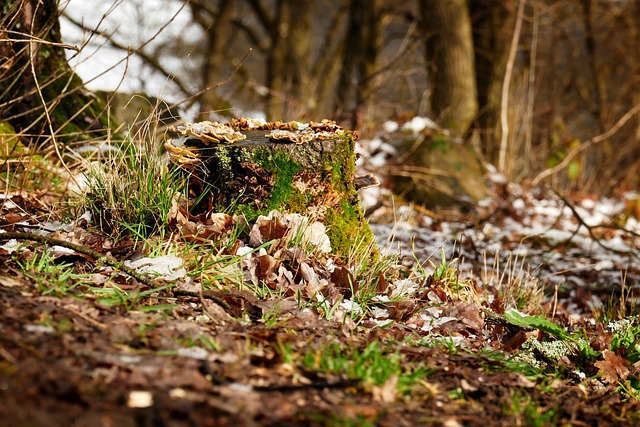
<point x="219" y="37"/>
<point x="253" y="170"/>
<point x="362" y="45"/>
<point x="493" y="22"/>
<point x="288" y="60"/>
<point x="41" y="97"/>
<point x="450" y="56"/>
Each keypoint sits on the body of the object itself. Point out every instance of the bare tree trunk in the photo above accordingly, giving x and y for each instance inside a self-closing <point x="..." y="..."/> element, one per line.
<point x="326" y="69"/>
<point x="288" y="60"/>
<point x="40" y="96"/>
<point x="363" y="42"/>
<point x="219" y="36"/>
<point x="450" y="56"/>
<point x="493" y="23"/>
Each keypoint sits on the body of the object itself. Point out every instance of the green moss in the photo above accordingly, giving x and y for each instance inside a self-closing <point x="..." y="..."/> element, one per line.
<point x="342" y="166"/>
<point x="10" y="144"/>
<point x="346" y="226"/>
<point x="250" y="213"/>
<point x="284" y="168"/>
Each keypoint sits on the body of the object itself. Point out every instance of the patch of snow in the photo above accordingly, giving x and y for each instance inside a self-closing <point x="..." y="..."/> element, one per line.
<point x="243" y="388"/>
<point x="244" y="250"/>
<point x="418" y="124"/>
<point x="519" y="204"/>
<point x="198" y="353"/>
<point x="605" y="264"/>
<point x="168" y="267"/>
<point x="379" y="313"/>
<point x="404" y="287"/>
<point x="351" y="306"/>
<point x="39" y="329"/>
<point x="556" y="236"/>
<point x="140" y="399"/>
<point x="390" y="126"/>
<point x="378" y="161"/>
<point x="131" y="23"/>
<point x="382" y="322"/>
<point x="61" y="250"/>
<point x="10" y="246"/>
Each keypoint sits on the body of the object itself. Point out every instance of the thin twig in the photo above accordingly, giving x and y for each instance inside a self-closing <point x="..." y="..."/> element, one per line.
<point x="150" y="60"/>
<point x="504" y="119"/>
<point x="590" y="228"/>
<point x="201" y="295"/>
<point x="101" y="258"/>
<point x="593" y="141"/>
<point x="31" y="38"/>
<point x="32" y="60"/>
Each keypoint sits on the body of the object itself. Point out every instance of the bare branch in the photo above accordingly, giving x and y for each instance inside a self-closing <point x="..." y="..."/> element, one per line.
<point x="148" y="59"/>
<point x="593" y="141"/>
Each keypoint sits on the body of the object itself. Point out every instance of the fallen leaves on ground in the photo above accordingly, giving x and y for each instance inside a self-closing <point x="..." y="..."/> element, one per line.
<point x="283" y="345"/>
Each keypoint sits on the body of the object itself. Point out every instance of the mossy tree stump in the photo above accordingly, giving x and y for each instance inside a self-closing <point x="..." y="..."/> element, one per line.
<point x="252" y="168"/>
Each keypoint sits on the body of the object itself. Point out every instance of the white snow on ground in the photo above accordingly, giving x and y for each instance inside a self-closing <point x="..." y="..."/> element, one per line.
<point x="531" y="225"/>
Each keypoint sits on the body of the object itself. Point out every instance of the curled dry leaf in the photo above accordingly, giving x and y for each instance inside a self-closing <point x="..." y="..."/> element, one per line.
<point x="221" y="222"/>
<point x="289" y="227"/>
<point x="612" y="368"/>
<point x="467" y="313"/>
<point x="314" y="284"/>
<point x="199" y="228"/>
<point x="266" y="264"/>
<point x="344" y="281"/>
<point x="387" y="392"/>
<point x="267" y="228"/>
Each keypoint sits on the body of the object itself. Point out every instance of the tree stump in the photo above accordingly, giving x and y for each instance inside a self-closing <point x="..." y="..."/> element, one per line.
<point x="251" y="168"/>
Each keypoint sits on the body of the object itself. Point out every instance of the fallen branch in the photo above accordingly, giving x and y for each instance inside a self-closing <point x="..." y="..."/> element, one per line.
<point x="99" y="257"/>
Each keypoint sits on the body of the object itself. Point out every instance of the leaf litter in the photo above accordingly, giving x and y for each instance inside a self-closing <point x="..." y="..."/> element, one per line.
<point x="289" y="334"/>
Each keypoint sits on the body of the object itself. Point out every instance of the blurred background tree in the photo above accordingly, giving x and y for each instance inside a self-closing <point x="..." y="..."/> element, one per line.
<point x="547" y="91"/>
<point x="537" y="94"/>
<point x="40" y="95"/>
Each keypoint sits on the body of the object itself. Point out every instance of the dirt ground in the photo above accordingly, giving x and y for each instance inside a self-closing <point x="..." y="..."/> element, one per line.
<point x="68" y="361"/>
<point x="215" y="358"/>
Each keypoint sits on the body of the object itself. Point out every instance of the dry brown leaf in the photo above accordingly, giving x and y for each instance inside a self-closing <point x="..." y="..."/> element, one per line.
<point x="467" y="313"/>
<point x="266" y="265"/>
<point x="387" y="392"/>
<point x="343" y="280"/>
<point x="221" y="222"/>
<point x="612" y="368"/>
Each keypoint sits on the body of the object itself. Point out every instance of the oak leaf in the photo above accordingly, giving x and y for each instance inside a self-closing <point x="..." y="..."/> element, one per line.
<point x="612" y="368"/>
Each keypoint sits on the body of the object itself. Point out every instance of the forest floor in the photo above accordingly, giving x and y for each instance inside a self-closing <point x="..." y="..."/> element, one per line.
<point x="300" y="340"/>
<point x="523" y="311"/>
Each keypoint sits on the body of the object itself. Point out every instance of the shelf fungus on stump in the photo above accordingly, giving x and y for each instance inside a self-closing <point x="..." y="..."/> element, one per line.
<point x="251" y="167"/>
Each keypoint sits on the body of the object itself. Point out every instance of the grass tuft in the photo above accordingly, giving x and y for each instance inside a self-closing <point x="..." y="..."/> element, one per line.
<point x="132" y="191"/>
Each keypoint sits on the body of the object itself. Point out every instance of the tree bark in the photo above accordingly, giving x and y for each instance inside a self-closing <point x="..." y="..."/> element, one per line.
<point x="493" y="22"/>
<point x="219" y="37"/>
<point x="41" y="97"/>
<point x="362" y="45"/>
<point x="288" y="60"/>
<point x="451" y="65"/>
